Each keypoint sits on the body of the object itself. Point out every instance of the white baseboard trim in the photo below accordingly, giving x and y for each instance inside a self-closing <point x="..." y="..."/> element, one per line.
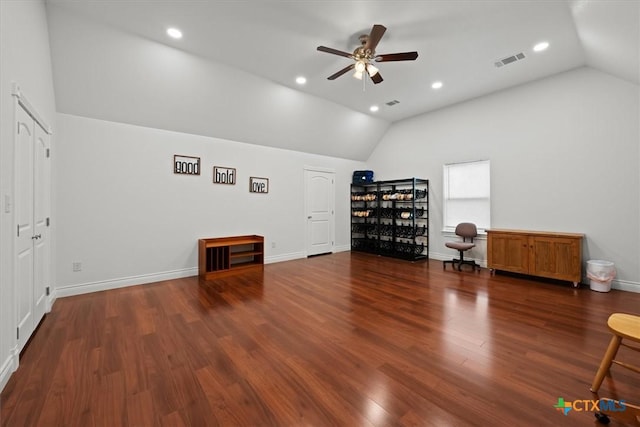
<point x="51" y="300"/>
<point x="625" y="285"/>
<point x="103" y="285"/>
<point x="284" y="257"/>
<point x="298" y="255"/>
<point x="9" y="366"/>
<point x="621" y="285"/>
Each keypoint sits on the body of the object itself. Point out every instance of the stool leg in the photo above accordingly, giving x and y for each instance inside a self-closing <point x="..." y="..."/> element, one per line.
<point x="605" y="364"/>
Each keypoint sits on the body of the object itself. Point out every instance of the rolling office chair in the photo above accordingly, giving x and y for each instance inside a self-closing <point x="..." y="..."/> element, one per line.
<point x="466" y="230"/>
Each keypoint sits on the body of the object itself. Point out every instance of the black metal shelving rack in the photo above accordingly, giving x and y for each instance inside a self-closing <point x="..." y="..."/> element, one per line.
<point x="391" y="218"/>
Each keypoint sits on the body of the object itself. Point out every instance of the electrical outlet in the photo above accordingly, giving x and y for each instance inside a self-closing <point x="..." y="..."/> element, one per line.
<point x="273" y="245"/>
<point x="77" y="266"/>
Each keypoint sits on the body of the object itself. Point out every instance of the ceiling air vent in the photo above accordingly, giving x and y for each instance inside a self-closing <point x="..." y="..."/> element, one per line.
<point x="392" y="103"/>
<point x="509" y="60"/>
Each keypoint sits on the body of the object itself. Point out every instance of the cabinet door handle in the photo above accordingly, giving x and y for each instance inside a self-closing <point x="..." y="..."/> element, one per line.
<point x="309" y="217"/>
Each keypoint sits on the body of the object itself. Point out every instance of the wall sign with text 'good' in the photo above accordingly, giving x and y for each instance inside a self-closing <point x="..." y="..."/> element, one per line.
<point x="222" y="175"/>
<point x="258" y="185"/>
<point x="186" y="165"/>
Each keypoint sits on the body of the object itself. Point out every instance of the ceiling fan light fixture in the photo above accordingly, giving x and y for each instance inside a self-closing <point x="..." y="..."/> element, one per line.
<point x="364" y="54"/>
<point x="372" y="70"/>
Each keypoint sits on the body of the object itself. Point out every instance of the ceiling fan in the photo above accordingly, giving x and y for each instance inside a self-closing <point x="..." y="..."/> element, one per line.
<point x="364" y="54"/>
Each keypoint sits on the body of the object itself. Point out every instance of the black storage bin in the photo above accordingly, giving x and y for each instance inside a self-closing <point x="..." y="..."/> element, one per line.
<point x="362" y="177"/>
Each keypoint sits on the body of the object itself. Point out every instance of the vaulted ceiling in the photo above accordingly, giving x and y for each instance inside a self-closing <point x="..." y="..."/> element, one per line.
<point x="232" y="74"/>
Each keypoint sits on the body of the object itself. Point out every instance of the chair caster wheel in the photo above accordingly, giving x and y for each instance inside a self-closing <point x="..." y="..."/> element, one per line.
<point x="602" y="418"/>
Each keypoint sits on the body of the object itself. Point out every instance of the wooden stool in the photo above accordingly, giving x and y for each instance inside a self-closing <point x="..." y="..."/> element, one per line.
<point x="621" y="326"/>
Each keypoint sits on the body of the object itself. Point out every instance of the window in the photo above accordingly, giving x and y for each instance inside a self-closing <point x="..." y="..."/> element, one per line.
<point x="466" y="194"/>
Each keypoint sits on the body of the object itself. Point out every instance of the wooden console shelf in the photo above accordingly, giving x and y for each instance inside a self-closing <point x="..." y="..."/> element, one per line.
<point x="224" y="255"/>
<point x="538" y="253"/>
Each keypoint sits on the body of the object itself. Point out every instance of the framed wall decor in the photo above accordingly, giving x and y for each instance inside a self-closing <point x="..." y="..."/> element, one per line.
<point x="258" y="185"/>
<point x="186" y="165"/>
<point x="223" y="175"/>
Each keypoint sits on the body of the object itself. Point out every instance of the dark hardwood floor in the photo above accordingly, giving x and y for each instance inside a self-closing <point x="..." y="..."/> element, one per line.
<point x="340" y="340"/>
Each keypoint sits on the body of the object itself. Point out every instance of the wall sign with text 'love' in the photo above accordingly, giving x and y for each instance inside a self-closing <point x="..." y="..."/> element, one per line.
<point x="258" y="185"/>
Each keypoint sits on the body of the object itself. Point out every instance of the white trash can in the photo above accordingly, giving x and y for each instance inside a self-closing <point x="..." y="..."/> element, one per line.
<point x="600" y="273"/>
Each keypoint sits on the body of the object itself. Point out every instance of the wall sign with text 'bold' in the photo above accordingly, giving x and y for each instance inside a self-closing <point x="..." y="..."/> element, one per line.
<point x="222" y="175"/>
<point x="186" y="165"/>
<point x="258" y="185"/>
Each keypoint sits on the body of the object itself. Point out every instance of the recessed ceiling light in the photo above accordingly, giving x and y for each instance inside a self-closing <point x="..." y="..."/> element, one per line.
<point x="174" y="33"/>
<point x="436" y="85"/>
<point x="374" y="108"/>
<point x="541" y="46"/>
<point x="301" y="80"/>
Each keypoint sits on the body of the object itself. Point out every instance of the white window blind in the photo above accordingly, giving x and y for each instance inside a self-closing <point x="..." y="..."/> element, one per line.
<point x="467" y="194"/>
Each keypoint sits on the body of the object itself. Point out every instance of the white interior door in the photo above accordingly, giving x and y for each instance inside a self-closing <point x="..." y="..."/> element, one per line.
<point x="42" y="244"/>
<point x="25" y="227"/>
<point x="32" y="231"/>
<point x="320" y="205"/>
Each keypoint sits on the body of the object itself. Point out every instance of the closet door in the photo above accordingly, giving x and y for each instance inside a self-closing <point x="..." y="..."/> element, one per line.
<point x="25" y="226"/>
<point x="41" y="243"/>
<point x="32" y="172"/>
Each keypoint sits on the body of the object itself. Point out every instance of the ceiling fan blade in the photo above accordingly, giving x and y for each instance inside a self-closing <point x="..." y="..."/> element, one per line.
<point x="341" y="72"/>
<point x="405" y="56"/>
<point x="334" y="51"/>
<point x="374" y="38"/>
<point x="376" y="78"/>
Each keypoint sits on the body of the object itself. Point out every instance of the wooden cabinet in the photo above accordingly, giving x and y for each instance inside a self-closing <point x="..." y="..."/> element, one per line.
<point x="224" y="255"/>
<point x="538" y="253"/>
<point x="508" y="251"/>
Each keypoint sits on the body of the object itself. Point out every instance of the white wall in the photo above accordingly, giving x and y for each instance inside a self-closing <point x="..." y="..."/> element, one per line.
<point x="130" y="79"/>
<point x="124" y="214"/>
<point x="564" y="157"/>
<point x="24" y="59"/>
